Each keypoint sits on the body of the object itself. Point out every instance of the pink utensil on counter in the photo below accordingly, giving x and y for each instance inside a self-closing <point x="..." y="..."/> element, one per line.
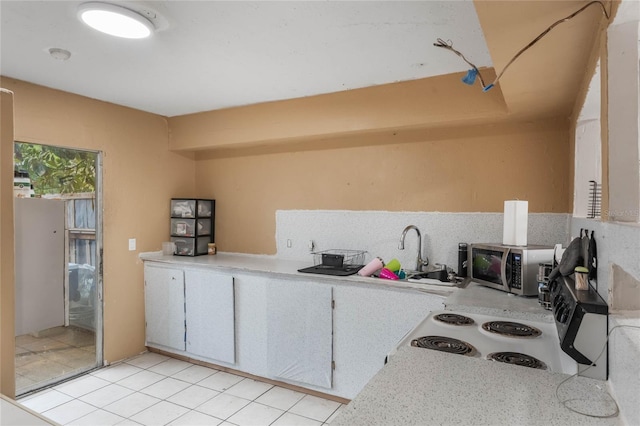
<point x="387" y="274"/>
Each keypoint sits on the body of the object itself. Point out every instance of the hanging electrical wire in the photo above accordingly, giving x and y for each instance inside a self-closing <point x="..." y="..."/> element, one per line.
<point x="474" y="72"/>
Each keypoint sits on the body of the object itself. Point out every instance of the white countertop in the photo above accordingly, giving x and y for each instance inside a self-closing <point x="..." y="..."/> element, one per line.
<point x="419" y="387"/>
<point x="270" y="265"/>
<point x="479" y="299"/>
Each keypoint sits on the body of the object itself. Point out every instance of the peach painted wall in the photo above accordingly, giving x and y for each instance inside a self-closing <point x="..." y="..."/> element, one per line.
<point x="140" y="176"/>
<point x="422" y="145"/>
<point x="441" y="101"/>
<point x="461" y="169"/>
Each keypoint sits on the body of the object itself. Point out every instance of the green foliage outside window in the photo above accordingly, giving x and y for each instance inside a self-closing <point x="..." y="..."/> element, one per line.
<point x="55" y="170"/>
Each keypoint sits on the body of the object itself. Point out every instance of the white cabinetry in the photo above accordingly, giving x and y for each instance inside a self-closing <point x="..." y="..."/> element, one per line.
<point x="300" y="332"/>
<point x="210" y="315"/>
<point x="164" y="307"/>
<point x="251" y="324"/>
<point x="369" y="323"/>
<point x="280" y="326"/>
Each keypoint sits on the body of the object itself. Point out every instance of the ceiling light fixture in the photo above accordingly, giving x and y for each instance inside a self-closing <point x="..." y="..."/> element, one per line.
<point x="59" y="54"/>
<point x="115" y="20"/>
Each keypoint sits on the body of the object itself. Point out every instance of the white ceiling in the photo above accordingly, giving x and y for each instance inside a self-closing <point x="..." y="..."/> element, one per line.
<point x="212" y="54"/>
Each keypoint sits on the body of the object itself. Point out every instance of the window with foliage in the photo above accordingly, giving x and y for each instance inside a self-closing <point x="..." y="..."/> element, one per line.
<point x="56" y="170"/>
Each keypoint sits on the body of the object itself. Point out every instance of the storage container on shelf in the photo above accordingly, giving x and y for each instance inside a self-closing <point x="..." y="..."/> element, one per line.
<point x="192" y="225"/>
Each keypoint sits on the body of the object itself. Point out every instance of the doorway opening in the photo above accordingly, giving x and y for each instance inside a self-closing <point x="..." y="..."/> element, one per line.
<point x="58" y="258"/>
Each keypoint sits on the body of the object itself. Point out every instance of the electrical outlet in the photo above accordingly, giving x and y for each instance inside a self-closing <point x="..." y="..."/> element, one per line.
<point x="288" y="243"/>
<point x="132" y="244"/>
<point x="312" y="245"/>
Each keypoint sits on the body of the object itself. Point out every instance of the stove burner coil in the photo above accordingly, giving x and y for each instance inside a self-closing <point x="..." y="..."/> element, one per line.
<point x="517" y="358"/>
<point x="512" y="329"/>
<point x="444" y="344"/>
<point x="454" y="319"/>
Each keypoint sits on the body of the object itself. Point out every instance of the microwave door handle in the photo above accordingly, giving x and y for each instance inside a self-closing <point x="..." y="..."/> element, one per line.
<point x="503" y="270"/>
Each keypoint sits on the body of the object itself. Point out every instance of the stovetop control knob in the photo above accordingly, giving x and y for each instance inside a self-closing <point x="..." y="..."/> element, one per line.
<point x="558" y="312"/>
<point x="562" y="313"/>
<point x="558" y="300"/>
<point x="565" y="315"/>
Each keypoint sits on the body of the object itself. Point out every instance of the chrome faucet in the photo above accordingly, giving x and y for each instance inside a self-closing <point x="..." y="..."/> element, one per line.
<point x="419" y="262"/>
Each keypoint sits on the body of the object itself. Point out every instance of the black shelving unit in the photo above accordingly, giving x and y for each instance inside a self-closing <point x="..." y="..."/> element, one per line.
<point x="192" y="225"/>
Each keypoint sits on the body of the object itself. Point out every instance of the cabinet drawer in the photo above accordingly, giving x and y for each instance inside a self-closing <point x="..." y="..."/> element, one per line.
<point x="191" y="208"/>
<point x="204" y="208"/>
<point x="183" y="227"/>
<point x="193" y="246"/>
<point x="190" y="227"/>
<point x="183" y="208"/>
<point x="203" y="226"/>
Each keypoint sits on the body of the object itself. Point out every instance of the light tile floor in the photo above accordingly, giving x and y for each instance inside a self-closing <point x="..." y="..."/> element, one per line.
<point x="153" y="389"/>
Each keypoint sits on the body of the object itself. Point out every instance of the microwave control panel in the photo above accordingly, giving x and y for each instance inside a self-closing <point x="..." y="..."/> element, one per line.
<point x="516" y="270"/>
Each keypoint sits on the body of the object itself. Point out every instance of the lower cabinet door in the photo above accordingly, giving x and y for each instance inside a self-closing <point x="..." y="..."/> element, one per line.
<point x="300" y="332"/>
<point x="164" y="307"/>
<point x="210" y="314"/>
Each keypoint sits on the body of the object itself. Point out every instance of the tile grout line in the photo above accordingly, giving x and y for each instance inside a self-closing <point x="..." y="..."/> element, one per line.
<point x="189" y="384"/>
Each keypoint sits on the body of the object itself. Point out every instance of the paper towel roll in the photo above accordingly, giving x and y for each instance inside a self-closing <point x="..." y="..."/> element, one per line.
<point x="558" y="251"/>
<point x="516" y="216"/>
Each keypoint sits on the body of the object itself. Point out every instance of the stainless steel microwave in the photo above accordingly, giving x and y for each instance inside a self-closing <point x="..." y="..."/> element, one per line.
<point x="512" y="269"/>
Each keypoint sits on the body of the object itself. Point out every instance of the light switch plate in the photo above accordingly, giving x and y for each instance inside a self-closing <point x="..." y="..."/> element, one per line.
<point x="132" y="244"/>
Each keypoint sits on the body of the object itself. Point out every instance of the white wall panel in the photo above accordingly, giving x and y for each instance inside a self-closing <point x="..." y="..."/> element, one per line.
<point x="617" y="243"/>
<point x="379" y="232"/>
<point x="624" y="136"/>
<point x="588" y="165"/>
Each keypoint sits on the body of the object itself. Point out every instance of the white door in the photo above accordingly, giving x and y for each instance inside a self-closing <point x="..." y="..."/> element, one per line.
<point x="39" y="262"/>
<point x="300" y="332"/>
<point x="210" y="314"/>
<point x="164" y="307"/>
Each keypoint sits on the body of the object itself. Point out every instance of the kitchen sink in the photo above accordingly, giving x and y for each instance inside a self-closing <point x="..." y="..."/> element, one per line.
<point x="432" y="278"/>
<point x="440" y="275"/>
<point x="436" y="278"/>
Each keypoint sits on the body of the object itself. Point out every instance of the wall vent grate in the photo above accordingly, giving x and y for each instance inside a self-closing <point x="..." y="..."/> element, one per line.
<point x="595" y="200"/>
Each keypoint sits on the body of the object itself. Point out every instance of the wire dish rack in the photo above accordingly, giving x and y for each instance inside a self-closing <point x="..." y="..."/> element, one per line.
<point x="339" y="258"/>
